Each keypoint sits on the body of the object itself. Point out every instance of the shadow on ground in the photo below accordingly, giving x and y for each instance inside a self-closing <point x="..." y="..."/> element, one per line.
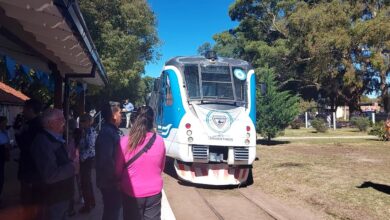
<point x="271" y="142"/>
<point x="170" y="170"/>
<point x="379" y="187"/>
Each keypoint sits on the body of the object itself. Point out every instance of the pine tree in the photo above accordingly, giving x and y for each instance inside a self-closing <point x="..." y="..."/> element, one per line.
<point x="275" y="108"/>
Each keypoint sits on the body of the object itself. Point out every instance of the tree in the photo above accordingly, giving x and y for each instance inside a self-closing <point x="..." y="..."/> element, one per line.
<point x="147" y="88"/>
<point x="339" y="49"/>
<point x="125" y="36"/>
<point x="204" y="48"/>
<point x="275" y="109"/>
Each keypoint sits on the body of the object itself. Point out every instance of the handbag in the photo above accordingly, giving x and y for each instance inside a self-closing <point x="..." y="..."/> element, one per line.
<point x="144" y="150"/>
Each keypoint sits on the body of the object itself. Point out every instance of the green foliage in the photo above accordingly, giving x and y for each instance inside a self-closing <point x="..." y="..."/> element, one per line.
<point x="146" y="88"/>
<point x="125" y="36"/>
<point x="296" y="124"/>
<point x="204" y="48"/>
<point x="379" y="130"/>
<point x="307" y="106"/>
<point x="275" y="109"/>
<point x="228" y="45"/>
<point x="362" y="123"/>
<point x="320" y="125"/>
<point x="314" y="45"/>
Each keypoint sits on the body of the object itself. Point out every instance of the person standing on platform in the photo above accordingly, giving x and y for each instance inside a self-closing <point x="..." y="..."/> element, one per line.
<point x="106" y="147"/>
<point x="87" y="155"/>
<point x="4" y="151"/>
<point x="27" y="171"/>
<point x="139" y="166"/>
<point x="128" y="107"/>
<point x="56" y="171"/>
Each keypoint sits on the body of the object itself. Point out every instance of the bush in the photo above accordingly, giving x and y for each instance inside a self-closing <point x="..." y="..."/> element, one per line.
<point x="320" y="125"/>
<point x="361" y="123"/>
<point x="379" y="130"/>
<point x="296" y="124"/>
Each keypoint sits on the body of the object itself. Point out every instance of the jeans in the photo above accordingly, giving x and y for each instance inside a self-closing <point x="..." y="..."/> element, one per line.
<point x="128" y="116"/>
<point x="86" y="182"/>
<point x="112" y="203"/>
<point x="148" y="208"/>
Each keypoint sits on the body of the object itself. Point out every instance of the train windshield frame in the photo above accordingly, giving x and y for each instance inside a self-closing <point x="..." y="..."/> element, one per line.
<point x="215" y="83"/>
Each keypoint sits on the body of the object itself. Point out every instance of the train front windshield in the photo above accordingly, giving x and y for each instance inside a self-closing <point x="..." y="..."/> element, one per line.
<point x="214" y="83"/>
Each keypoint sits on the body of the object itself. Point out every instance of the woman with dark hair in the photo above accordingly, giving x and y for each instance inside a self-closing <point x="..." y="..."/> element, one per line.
<point x="139" y="166"/>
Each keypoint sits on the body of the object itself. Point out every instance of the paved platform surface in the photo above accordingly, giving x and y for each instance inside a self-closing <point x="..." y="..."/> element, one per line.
<point x="12" y="209"/>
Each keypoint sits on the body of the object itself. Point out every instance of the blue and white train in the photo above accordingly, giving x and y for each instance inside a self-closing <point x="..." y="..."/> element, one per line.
<point x="206" y="113"/>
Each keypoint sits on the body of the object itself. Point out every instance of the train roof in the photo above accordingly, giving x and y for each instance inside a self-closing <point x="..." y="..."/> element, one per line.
<point x="180" y="61"/>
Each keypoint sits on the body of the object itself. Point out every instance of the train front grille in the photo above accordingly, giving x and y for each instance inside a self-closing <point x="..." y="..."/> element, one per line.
<point x="200" y="152"/>
<point x="241" y="153"/>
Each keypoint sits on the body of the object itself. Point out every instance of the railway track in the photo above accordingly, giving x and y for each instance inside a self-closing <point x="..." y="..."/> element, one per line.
<point x="226" y="211"/>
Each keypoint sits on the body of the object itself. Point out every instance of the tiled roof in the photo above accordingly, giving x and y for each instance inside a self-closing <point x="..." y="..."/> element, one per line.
<point x="8" y="95"/>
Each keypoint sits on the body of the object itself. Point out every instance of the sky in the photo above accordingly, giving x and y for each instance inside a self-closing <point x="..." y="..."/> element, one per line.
<point x="184" y="25"/>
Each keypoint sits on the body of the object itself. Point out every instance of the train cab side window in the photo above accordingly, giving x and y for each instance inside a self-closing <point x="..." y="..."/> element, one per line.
<point x="168" y="92"/>
<point x="191" y="77"/>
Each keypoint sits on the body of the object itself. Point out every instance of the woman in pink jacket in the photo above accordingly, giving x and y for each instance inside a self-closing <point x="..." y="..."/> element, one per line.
<point x="141" y="181"/>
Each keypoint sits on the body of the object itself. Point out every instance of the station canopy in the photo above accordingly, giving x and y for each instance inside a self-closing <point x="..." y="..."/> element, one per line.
<point x="39" y="33"/>
<point x="10" y="96"/>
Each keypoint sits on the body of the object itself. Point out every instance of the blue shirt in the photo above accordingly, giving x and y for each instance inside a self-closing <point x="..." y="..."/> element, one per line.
<point x="58" y="137"/>
<point x="87" y="144"/>
<point x="4" y="139"/>
<point x="129" y="107"/>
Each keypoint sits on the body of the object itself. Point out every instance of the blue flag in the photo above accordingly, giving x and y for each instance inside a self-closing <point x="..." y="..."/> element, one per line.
<point x="26" y="71"/>
<point x="11" y="67"/>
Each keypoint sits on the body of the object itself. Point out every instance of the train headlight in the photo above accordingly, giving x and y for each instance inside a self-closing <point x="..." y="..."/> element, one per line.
<point x="248" y="135"/>
<point x="247" y="141"/>
<point x="190" y="139"/>
<point x="189" y="132"/>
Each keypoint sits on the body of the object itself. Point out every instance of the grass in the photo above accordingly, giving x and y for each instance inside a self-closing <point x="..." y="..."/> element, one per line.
<point x="311" y="132"/>
<point x="325" y="176"/>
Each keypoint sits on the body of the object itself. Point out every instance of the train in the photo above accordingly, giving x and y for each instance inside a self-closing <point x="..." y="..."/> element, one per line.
<point x="205" y="110"/>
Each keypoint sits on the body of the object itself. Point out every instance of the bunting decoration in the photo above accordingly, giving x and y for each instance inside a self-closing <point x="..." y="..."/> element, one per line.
<point x="79" y="88"/>
<point x="26" y="71"/>
<point x="51" y="84"/>
<point x="11" y="67"/>
<point x="44" y="78"/>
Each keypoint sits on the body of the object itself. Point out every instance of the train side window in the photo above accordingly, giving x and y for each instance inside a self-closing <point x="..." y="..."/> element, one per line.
<point x="168" y="92"/>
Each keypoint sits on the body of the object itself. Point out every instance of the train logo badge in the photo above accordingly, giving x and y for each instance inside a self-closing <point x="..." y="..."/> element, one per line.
<point x="219" y="121"/>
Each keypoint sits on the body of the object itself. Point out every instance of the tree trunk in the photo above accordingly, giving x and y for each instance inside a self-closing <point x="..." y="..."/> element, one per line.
<point x="384" y="88"/>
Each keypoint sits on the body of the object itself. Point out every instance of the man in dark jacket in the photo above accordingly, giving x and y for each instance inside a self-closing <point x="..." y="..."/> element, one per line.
<point x="106" y="146"/>
<point x="54" y="167"/>
<point x="27" y="172"/>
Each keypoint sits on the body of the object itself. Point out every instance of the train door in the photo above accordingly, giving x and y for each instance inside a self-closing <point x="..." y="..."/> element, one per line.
<point x="155" y="99"/>
<point x="165" y="97"/>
